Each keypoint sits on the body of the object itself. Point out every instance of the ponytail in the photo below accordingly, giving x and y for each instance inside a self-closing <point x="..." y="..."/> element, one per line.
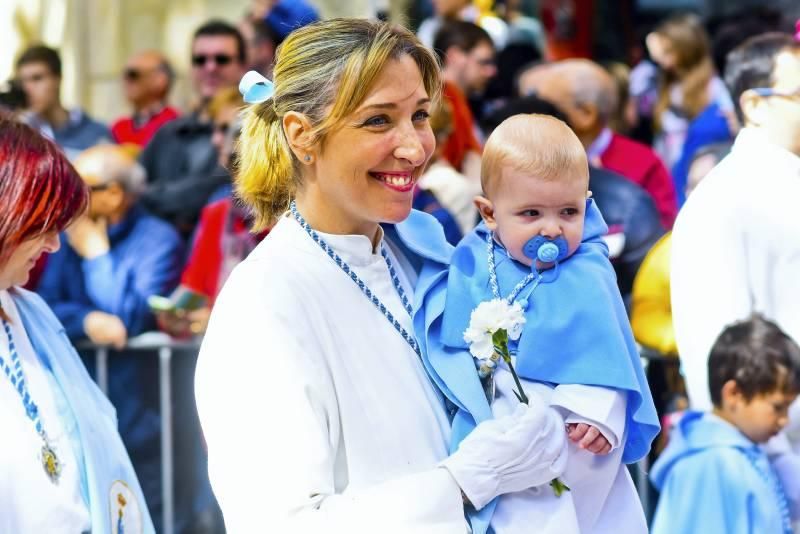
<point x="265" y="170"/>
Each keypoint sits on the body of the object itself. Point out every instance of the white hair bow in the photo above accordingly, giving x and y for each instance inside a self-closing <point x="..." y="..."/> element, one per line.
<point x="255" y="88"/>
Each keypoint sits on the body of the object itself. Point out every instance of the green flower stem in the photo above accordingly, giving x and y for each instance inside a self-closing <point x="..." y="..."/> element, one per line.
<point x="500" y="341"/>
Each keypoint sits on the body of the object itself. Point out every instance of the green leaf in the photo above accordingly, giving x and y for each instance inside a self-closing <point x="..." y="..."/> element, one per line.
<point x="558" y="487"/>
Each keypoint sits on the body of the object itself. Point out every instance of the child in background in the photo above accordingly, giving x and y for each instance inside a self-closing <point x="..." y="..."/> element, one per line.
<point x="714" y="476"/>
<point x="576" y="351"/>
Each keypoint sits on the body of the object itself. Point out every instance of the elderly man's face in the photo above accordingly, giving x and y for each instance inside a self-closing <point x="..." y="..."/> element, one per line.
<point x="105" y="197"/>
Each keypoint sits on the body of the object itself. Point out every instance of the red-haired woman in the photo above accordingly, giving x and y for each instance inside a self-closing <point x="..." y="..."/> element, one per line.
<point x="62" y="464"/>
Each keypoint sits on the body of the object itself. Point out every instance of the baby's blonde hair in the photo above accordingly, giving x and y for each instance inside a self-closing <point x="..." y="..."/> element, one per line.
<point x="324" y="70"/>
<point x="539" y="145"/>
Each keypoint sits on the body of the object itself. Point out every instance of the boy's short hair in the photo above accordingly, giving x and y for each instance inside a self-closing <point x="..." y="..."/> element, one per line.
<point x="757" y="355"/>
<point x="537" y="144"/>
<point x="41" y="54"/>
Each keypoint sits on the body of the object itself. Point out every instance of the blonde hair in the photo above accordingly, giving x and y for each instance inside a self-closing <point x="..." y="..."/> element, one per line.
<point x="325" y="71"/>
<point x="540" y="145"/>
<point x="689" y="42"/>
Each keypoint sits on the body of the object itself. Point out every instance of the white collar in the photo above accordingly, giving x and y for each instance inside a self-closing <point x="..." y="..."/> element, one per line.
<point x="599" y="145"/>
<point x="357" y="250"/>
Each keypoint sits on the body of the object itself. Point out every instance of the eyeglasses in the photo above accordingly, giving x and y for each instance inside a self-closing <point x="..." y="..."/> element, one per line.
<point x="221" y="127"/>
<point x="200" y="60"/>
<point x="132" y="74"/>
<point x="769" y="91"/>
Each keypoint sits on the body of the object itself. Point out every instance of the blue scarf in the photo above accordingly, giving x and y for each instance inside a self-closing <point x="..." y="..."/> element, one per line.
<point x="577" y="332"/>
<point x="85" y="410"/>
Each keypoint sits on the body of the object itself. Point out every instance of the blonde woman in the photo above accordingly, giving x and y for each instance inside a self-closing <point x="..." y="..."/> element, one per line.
<point x="316" y="407"/>
<point x="688" y="84"/>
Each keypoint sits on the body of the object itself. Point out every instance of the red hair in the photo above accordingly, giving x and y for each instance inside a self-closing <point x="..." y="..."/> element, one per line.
<point x="40" y="191"/>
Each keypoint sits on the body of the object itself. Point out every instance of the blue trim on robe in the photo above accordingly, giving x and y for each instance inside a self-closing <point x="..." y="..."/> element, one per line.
<point x="104" y="456"/>
<point x="577" y="331"/>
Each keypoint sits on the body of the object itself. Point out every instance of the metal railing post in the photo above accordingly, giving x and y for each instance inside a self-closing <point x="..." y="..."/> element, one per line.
<point x="101" y="368"/>
<point x="167" y="483"/>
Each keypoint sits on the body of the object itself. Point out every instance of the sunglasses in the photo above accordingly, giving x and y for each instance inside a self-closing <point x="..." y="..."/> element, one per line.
<point x="99" y="187"/>
<point x="200" y="60"/>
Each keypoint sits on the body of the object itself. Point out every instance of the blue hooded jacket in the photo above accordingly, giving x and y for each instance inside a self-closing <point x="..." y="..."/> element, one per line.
<point x="709" y="482"/>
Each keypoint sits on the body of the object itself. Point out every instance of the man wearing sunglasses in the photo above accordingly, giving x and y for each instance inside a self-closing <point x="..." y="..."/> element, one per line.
<point x="38" y="70"/>
<point x="736" y="242"/>
<point x="146" y="80"/>
<point x="180" y="160"/>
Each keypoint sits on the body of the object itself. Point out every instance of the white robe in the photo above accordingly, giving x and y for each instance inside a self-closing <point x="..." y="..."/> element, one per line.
<point x="30" y="501"/>
<point x="735" y="250"/>
<point x="318" y="415"/>
<point x="602" y="497"/>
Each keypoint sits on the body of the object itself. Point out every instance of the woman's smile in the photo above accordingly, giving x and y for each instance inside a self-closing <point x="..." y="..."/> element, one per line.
<point x="401" y="182"/>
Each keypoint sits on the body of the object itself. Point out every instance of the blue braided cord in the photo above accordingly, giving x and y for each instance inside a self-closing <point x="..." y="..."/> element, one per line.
<point x="17" y="379"/>
<point x="493" y="275"/>
<point x="360" y="283"/>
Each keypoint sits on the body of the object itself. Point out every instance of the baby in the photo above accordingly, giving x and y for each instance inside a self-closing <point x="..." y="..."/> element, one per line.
<point x="540" y="245"/>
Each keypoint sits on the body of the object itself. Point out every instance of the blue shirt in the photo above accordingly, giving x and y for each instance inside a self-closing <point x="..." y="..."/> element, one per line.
<point x="144" y="259"/>
<point x="79" y="133"/>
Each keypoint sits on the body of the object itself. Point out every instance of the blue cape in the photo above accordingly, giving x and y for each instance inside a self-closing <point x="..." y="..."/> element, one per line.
<point x="577" y="331"/>
<point x="85" y="409"/>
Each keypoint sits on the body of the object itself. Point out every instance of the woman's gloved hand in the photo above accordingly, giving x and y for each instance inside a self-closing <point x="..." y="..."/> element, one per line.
<point x="525" y="449"/>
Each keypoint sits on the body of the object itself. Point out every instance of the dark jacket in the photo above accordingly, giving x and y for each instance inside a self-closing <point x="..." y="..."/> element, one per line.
<point x="630" y="211"/>
<point x="182" y="171"/>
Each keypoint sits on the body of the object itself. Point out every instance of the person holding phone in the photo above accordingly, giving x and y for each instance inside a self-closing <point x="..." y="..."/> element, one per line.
<point x="115" y="257"/>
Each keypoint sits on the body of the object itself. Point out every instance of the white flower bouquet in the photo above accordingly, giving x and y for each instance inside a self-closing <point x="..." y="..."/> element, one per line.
<point x="492" y="324"/>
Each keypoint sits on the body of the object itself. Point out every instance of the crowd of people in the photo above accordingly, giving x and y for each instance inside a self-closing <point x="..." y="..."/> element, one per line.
<point x="666" y="180"/>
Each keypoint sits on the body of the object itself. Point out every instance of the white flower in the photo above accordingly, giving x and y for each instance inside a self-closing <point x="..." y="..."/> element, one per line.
<point x="488" y="318"/>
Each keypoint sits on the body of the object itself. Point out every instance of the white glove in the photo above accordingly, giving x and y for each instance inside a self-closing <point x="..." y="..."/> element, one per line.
<point x="522" y="450"/>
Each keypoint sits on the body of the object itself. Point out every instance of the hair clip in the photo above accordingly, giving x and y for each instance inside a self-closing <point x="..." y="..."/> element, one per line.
<point x="255" y="88"/>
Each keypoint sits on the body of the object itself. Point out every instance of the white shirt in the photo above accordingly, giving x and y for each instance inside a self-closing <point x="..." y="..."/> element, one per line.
<point x="602" y="497"/>
<point x="30" y="502"/>
<point x="319" y="417"/>
<point x="735" y="250"/>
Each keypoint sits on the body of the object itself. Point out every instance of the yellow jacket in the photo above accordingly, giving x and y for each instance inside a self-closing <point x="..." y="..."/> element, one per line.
<point x="651" y="310"/>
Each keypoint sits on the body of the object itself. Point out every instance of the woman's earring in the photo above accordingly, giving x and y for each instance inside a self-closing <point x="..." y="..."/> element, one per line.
<point x="307" y="158"/>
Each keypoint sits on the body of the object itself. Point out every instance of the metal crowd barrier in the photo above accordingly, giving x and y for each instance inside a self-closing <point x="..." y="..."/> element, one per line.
<point x="642" y="482"/>
<point x="165" y="346"/>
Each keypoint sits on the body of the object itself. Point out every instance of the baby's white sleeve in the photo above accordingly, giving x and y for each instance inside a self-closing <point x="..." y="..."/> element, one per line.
<point x="601" y="407"/>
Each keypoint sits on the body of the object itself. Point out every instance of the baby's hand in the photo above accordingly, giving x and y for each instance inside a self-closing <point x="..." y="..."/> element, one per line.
<point x="588" y="437"/>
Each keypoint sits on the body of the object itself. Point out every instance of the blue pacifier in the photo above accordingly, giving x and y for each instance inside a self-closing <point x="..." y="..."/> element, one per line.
<point x="546" y="250"/>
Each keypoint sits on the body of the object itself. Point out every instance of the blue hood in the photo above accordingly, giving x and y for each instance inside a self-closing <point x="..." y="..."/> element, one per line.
<point x="696" y="432"/>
